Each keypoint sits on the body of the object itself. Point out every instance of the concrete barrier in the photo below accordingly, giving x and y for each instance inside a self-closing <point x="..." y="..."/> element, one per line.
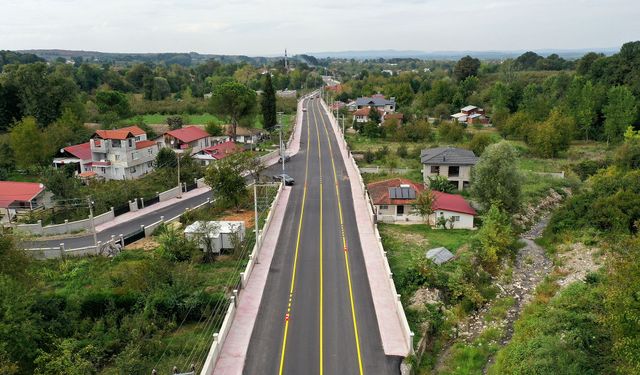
<point x="218" y="339"/>
<point x="169" y="194"/>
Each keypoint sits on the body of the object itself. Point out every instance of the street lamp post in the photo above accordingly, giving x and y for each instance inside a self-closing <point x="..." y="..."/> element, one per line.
<point x="281" y="144"/>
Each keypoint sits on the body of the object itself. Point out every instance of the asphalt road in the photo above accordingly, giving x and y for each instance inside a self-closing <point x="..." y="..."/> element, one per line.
<point x="317" y="314"/>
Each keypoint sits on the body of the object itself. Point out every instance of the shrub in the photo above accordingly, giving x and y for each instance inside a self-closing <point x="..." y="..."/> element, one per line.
<point x="402" y="151"/>
<point x="451" y="131"/>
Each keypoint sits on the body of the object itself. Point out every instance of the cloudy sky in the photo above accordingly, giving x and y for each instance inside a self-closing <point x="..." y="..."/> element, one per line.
<point x="255" y="27"/>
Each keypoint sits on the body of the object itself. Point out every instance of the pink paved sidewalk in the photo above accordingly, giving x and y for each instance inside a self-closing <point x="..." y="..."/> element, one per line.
<point x="234" y="349"/>
<point x="141" y="212"/>
<point x="394" y="341"/>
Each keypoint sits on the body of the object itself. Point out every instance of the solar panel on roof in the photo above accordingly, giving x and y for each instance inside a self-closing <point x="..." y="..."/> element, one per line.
<point x="402" y="193"/>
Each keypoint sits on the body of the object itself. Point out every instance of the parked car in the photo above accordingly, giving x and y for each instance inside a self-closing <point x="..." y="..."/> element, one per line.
<point x="286" y="158"/>
<point x="288" y="180"/>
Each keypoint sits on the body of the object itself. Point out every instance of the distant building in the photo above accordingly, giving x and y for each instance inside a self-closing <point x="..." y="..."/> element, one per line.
<point x="394" y="201"/>
<point x="77" y="155"/>
<point x="190" y="137"/>
<point x="362" y="115"/>
<point x="471" y="115"/>
<point x="453" y="163"/>
<point x="287" y="94"/>
<point x="399" y="117"/>
<point x="220" y="151"/>
<point x="377" y="101"/>
<point x="246" y="135"/>
<point x="122" y="154"/>
<point x="18" y="198"/>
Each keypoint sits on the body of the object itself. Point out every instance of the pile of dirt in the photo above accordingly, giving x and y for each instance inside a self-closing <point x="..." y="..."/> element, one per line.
<point x="423" y="297"/>
<point x="145" y="244"/>
<point x="247" y="216"/>
<point x="578" y="260"/>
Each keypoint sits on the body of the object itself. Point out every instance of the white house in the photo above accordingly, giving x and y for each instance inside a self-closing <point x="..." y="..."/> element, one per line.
<point x="122" y="154"/>
<point x="215" y="236"/>
<point x="190" y="137"/>
<point x="394" y="202"/>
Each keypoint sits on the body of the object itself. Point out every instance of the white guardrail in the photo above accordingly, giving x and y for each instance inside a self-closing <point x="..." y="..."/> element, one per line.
<point x="221" y="335"/>
<point x="406" y="330"/>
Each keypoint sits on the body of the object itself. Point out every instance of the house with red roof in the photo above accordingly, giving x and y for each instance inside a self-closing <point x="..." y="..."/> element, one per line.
<point x="394" y="202"/>
<point x="77" y="155"/>
<point x="362" y="115"/>
<point x="210" y="154"/>
<point x="190" y="137"/>
<point x="121" y="154"/>
<point x="21" y="197"/>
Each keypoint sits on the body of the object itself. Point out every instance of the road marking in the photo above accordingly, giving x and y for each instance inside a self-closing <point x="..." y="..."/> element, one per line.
<point x="321" y="260"/>
<point x="295" y="256"/>
<point x="344" y="243"/>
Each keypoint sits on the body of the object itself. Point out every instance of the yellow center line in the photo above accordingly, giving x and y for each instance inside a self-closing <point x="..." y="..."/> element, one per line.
<point x="321" y="261"/>
<point x="344" y="244"/>
<point x="295" y="257"/>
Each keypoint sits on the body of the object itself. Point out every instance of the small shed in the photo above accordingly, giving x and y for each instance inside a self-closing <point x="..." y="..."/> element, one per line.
<point x="215" y="236"/>
<point x="439" y="255"/>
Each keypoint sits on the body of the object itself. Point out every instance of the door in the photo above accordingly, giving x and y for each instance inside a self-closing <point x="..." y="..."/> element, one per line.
<point x="399" y="210"/>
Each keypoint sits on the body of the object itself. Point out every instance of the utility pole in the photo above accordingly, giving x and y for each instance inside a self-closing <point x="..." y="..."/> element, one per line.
<point x="281" y="144"/>
<point x="179" y="184"/>
<point x="93" y="223"/>
<point x="255" y="223"/>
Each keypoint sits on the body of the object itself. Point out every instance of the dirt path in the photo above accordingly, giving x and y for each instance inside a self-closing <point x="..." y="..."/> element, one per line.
<point x="530" y="268"/>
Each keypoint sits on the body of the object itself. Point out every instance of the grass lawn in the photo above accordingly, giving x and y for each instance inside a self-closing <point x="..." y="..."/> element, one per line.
<point x="22" y="177"/>
<point x="405" y="244"/>
<point x="158" y="118"/>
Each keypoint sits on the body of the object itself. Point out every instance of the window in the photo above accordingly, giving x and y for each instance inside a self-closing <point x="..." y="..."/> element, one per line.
<point x="134" y="155"/>
<point x="117" y="157"/>
<point x="435" y="169"/>
<point x="150" y="164"/>
<point x="454" y="171"/>
<point x="138" y="138"/>
<point x="384" y="207"/>
<point x="456" y="218"/>
<point x="130" y="142"/>
<point x="115" y="143"/>
<point x="132" y="169"/>
<point x="150" y="150"/>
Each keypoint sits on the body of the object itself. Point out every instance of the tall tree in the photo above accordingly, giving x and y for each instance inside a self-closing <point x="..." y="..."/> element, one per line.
<point x="495" y="179"/>
<point x="268" y="104"/>
<point x="620" y="112"/>
<point x="424" y="205"/>
<point x="234" y="101"/>
<point x="28" y="144"/>
<point x="466" y="67"/>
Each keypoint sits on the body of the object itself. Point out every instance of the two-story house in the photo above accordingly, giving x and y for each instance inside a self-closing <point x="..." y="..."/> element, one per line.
<point x="377" y="101"/>
<point x="453" y="163"/>
<point x="122" y="154"/>
<point x="190" y="137"/>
